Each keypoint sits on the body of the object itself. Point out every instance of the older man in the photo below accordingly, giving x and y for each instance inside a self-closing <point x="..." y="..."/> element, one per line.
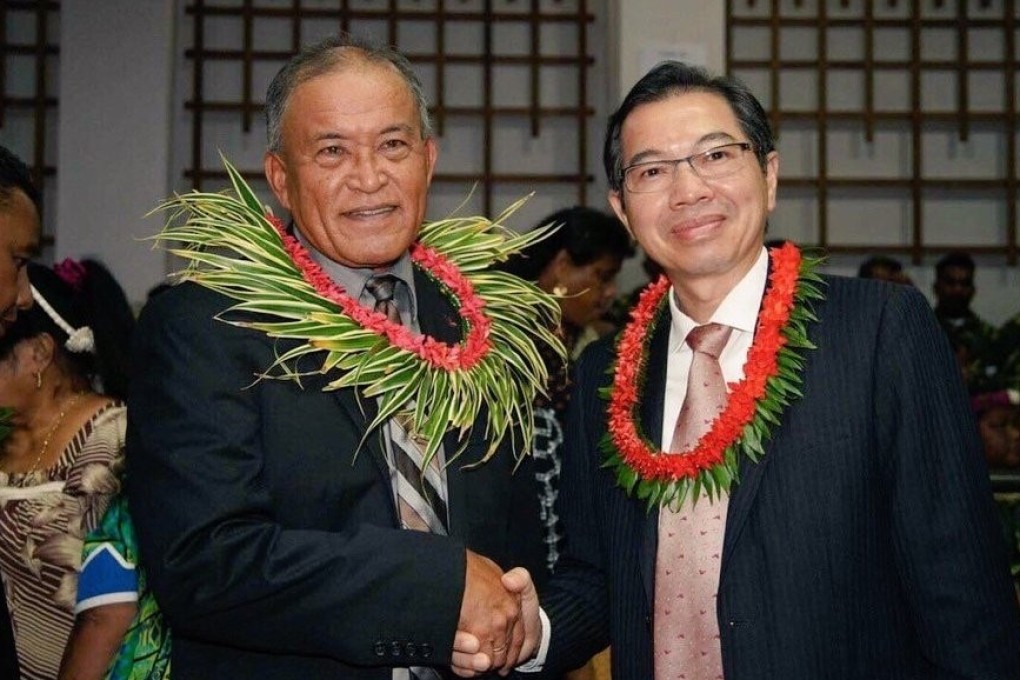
<point x="844" y="534"/>
<point x="270" y="524"/>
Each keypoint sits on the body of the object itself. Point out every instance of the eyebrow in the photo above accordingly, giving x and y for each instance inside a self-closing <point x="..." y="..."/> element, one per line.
<point x="398" y="127"/>
<point x="654" y="154"/>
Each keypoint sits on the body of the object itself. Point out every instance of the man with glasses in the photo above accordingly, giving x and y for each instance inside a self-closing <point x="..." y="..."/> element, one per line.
<point x="861" y="543"/>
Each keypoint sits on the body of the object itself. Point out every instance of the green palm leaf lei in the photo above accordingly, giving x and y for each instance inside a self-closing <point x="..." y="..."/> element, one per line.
<point x="234" y="247"/>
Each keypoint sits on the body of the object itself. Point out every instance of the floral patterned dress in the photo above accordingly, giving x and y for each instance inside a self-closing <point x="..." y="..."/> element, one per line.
<point x="110" y="573"/>
<point x="44" y="518"/>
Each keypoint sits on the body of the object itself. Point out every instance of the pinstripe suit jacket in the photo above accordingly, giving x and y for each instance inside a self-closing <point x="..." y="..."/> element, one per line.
<point x="863" y="545"/>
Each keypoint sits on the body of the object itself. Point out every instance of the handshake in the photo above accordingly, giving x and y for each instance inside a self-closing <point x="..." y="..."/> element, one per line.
<point x="499" y="625"/>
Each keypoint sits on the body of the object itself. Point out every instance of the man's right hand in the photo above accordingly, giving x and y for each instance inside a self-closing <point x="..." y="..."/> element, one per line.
<point x="468" y="659"/>
<point x="518" y="580"/>
<point x="491" y="613"/>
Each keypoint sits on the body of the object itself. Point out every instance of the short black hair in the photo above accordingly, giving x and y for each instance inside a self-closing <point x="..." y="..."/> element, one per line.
<point x="95" y="300"/>
<point x="956" y="258"/>
<point x="15" y="176"/>
<point x="585" y="234"/>
<point x="869" y="266"/>
<point x="672" y="78"/>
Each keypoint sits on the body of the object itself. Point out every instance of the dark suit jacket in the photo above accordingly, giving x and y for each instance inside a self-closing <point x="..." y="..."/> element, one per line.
<point x="274" y="551"/>
<point x="862" y="546"/>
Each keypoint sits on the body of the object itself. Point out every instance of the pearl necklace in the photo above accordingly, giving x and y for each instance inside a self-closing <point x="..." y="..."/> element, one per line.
<point x="68" y="405"/>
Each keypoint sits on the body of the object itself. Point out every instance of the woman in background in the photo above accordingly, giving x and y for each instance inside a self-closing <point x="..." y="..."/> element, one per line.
<point x="63" y="371"/>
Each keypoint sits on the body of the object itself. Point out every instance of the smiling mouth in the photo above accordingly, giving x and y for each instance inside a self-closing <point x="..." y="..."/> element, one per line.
<point x="694" y="226"/>
<point x="376" y="211"/>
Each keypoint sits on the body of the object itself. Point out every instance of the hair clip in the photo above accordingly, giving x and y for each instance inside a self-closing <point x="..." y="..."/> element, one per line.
<point x="71" y="272"/>
<point x="78" y="339"/>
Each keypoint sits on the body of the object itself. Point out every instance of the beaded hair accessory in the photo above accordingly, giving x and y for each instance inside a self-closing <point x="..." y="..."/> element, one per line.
<point x="78" y="339"/>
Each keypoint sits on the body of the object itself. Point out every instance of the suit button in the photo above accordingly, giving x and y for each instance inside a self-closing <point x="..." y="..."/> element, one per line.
<point x="396" y="649"/>
<point x="648" y="621"/>
<point x="426" y="650"/>
<point x="411" y="649"/>
<point x="379" y="648"/>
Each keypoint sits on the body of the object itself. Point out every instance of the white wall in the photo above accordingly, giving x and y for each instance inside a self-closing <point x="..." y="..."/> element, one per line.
<point x="651" y="31"/>
<point x="114" y="135"/>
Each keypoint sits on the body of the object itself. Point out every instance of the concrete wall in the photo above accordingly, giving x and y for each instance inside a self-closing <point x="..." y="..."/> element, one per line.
<point x="114" y="139"/>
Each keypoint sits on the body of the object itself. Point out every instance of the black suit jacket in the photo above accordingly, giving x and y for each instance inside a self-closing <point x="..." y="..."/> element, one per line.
<point x="862" y="546"/>
<point x="271" y="541"/>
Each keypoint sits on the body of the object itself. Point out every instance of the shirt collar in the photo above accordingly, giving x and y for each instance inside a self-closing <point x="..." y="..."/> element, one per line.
<point x="738" y="309"/>
<point x="353" y="279"/>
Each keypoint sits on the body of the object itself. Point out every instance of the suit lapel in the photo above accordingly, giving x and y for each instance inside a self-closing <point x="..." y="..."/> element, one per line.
<point x="651" y="422"/>
<point x="438" y="318"/>
<point x="743" y="494"/>
<point x="741" y="501"/>
<point x="361" y="411"/>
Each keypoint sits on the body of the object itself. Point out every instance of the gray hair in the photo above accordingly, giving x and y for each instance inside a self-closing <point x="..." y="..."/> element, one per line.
<point x="330" y="54"/>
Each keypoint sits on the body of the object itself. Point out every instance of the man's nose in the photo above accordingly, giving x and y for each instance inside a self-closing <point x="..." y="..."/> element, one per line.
<point x="366" y="172"/>
<point x="24" y="299"/>
<point x="687" y="185"/>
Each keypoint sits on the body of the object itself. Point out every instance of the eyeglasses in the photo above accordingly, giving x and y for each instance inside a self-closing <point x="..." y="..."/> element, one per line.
<point x="718" y="162"/>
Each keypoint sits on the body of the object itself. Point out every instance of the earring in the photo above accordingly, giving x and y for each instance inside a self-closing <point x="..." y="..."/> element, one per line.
<point x="559" y="290"/>
<point x="38" y="380"/>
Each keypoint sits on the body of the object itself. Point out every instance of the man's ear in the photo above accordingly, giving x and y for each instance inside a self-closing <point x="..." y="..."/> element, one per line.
<point x="771" y="179"/>
<point x="276" y="175"/>
<point x="431" y="155"/>
<point x="616" y="203"/>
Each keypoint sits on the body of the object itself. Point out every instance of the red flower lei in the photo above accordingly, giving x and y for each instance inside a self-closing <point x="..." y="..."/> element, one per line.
<point x="767" y="386"/>
<point x="439" y="354"/>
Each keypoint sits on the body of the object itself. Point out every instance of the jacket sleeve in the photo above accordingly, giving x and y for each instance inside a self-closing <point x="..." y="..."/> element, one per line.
<point x="948" y="548"/>
<point x="224" y="566"/>
<point x="577" y="601"/>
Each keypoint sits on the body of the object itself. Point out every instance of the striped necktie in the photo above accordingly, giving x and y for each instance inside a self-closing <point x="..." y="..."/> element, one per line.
<point x="421" y="496"/>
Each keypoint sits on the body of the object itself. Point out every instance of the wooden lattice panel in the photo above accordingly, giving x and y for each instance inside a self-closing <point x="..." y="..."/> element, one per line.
<point x="507" y="81"/>
<point x="29" y="55"/>
<point x="897" y="120"/>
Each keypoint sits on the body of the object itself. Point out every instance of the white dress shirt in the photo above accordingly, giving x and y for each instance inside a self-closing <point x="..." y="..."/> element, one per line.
<point x="739" y="309"/>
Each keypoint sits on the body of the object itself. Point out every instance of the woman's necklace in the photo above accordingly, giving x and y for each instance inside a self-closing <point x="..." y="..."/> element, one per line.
<point x="68" y="405"/>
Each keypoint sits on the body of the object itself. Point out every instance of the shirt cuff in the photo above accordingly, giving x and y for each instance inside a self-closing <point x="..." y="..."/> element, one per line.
<point x="537" y="663"/>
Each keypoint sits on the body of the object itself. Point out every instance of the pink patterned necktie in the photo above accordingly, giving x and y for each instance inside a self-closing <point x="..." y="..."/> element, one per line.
<point x="690" y="538"/>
